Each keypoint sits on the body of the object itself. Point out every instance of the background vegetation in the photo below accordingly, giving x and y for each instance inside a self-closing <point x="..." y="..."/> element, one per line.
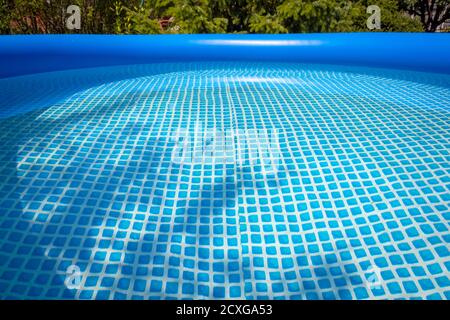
<point x="219" y="16"/>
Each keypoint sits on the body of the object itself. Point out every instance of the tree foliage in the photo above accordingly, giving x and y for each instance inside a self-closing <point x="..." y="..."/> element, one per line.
<point x="219" y="16"/>
<point x="392" y="18"/>
<point x="431" y="13"/>
<point x="317" y="15"/>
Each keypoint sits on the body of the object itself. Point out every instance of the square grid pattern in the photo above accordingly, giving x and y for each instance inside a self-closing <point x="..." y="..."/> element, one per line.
<point x="358" y="208"/>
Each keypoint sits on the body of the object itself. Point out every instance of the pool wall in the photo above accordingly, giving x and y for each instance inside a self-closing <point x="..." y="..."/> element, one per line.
<point x="23" y="54"/>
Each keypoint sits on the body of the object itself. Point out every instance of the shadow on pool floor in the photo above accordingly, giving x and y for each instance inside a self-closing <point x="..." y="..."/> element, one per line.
<point x="193" y="251"/>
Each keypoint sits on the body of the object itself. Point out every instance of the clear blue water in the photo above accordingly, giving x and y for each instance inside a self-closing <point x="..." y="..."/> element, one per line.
<point x="92" y="205"/>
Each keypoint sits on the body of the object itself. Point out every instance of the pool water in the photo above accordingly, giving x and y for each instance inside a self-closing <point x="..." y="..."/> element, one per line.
<point x="93" y="205"/>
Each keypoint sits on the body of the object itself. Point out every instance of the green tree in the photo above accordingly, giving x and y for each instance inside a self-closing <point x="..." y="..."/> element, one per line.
<point x="431" y="13"/>
<point x="218" y="16"/>
<point x="317" y="15"/>
<point x="266" y="24"/>
<point x="236" y="12"/>
<point x="41" y="16"/>
<point x="392" y="18"/>
<point x="180" y="16"/>
<point x="196" y="16"/>
<point x="144" y="18"/>
<point x="5" y="17"/>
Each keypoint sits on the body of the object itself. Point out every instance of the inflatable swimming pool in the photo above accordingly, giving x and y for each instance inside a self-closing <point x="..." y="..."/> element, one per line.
<point x="225" y="166"/>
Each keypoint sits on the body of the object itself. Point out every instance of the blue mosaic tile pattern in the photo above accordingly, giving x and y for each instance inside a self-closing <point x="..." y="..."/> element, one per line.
<point x="359" y="208"/>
